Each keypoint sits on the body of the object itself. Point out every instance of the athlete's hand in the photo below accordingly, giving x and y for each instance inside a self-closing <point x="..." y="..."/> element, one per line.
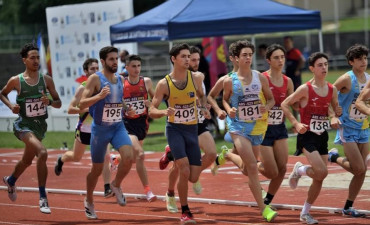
<point x="130" y="111"/>
<point x="45" y="100"/>
<point x="104" y="92"/>
<point x="15" y="108"/>
<point x="301" y="128"/>
<point x="232" y="112"/>
<point x="206" y="113"/>
<point x="335" y="123"/>
<point x="221" y="114"/>
<point x="338" y="110"/>
<point x="147" y="103"/>
<point x="263" y="109"/>
<point x="170" y="111"/>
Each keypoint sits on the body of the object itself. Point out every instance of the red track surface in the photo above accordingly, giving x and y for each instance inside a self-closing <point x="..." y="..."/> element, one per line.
<point x="229" y="184"/>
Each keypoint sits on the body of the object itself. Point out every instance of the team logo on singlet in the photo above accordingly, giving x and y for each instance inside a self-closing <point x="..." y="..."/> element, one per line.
<point x="191" y="94"/>
<point x="254" y="87"/>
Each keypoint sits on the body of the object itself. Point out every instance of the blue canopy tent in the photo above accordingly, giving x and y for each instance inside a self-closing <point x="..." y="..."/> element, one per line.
<point x="178" y="19"/>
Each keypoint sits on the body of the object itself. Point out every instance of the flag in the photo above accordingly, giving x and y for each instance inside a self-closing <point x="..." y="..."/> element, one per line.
<point x="48" y="61"/>
<point x="43" y="68"/>
<point x="218" y="60"/>
<point x="206" y="44"/>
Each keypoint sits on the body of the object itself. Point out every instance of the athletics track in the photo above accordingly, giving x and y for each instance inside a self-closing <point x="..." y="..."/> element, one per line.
<point x="226" y="198"/>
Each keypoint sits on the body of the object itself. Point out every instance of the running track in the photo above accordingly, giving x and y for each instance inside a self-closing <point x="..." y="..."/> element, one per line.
<point x="229" y="187"/>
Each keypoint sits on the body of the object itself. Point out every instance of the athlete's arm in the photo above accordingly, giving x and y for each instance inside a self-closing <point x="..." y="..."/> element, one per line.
<point x="270" y="101"/>
<point x="149" y="87"/>
<point x="13" y="83"/>
<point x="296" y="98"/>
<point x="226" y="97"/>
<point x="73" y="106"/>
<point x="198" y="78"/>
<point x="334" y="121"/>
<point x="290" y="90"/>
<point x="362" y="98"/>
<point x="215" y="91"/>
<point x="160" y="93"/>
<point x="56" y="103"/>
<point x="343" y="83"/>
<point x="92" y="86"/>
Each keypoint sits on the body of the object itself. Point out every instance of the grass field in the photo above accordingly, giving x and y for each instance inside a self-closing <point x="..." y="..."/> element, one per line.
<point x="155" y="143"/>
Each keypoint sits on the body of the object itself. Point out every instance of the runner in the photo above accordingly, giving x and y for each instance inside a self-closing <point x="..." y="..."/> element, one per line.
<point x="179" y="89"/>
<point x="354" y="132"/>
<point x="83" y="131"/>
<point x="314" y="99"/>
<point x="103" y="95"/>
<point x="30" y="127"/>
<point x="250" y="99"/>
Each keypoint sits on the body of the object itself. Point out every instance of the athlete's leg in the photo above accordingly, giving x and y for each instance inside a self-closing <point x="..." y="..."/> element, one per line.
<point x="106" y="170"/>
<point x="92" y="180"/>
<point x="76" y="154"/>
<point x="124" y="165"/>
<point x="207" y="144"/>
<point x="139" y="160"/>
<point x="281" y="157"/>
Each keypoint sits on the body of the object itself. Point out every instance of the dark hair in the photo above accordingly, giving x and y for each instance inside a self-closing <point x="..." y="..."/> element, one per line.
<point x="315" y="56"/>
<point x="356" y="51"/>
<point x="262" y="46"/>
<point x="231" y="49"/>
<point x="195" y="49"/>
<point x="175" y="50"/>
<point x="239" y="45"/>
<point x="288" y="37"/>
<point x="88" y="62"/>
<point x="130" y="58"/>
<point x="28" y="47"/>
<point x="270" y="49"/>
<point x="106" y="50"/>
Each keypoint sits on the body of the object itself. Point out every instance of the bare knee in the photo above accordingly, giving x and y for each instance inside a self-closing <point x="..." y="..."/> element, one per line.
<point x="42" y="155"/>
<point x="359" y="170"/>
<point x="211" y="156"/>
<point x="271" y="173"/>
<point x="282" y="170"/>
<point x="185" y="173"/>
<point x="320" y="174"/>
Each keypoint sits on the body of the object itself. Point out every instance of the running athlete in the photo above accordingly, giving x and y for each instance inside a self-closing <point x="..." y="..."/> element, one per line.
<point x="247" y="99"/>
<point x="30" y="127"/>
<point x="83" y="131"/>
<point x="314" y="98"/>
<point x="180" y="89"/>
<point x="135" y="93"/>
<point x="274" y="148"/>
<point x="103" y="95"/>
<point x="205" y="139"/>
<point x="354" y="131"/>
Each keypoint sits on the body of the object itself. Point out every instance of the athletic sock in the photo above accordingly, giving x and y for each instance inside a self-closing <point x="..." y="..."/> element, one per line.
<point x="302" y="170"/>
<point x="185" y="208"/>
<point x="216" y="161"/>
<point x="334" y="158"/>
<point x="42" y="192"/>
<point x="12" y="180"/>
<point x="60" y="162"/>
<point x="306" y="208"/>
<point x="146" y="189"/>
<point x="171" y="193"/>
<point x="106" y="186"/>
<point x="348" y="204"/>
<point x="267" y="200"/>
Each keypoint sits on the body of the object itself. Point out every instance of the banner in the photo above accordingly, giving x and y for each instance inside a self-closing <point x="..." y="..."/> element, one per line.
<point x="40" y="44"/>
<point x="77" y="32"/>
<point x="219" y="54"/>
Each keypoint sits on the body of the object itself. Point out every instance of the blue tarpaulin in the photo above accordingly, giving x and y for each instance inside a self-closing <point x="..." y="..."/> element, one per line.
<point x="178" y="19"/>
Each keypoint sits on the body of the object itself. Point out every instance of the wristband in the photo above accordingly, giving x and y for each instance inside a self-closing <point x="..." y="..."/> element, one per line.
<point x="50" y="102"/>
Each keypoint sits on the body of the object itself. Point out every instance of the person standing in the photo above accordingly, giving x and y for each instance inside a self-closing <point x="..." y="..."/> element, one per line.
<point x="30" y="127"/>
<point x="314" y="99"/>
<point x="122" y="56"/>
<point x="136" y="90"/>
<point x="247" y="99"/>
<point x="179" y="89"/>
<point x="83" y="131"/>
<point x="294" y="61"/>
<point x="103" y="95"/>
<point x="354" y="131"/>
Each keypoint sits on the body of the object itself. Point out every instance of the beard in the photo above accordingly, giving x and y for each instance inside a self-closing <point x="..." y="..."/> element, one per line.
<point x="111" y="69"/>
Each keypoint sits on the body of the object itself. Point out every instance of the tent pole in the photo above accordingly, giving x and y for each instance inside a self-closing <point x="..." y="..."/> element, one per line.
<point x="366" y="28"/>
<point x="254" y="66"/>
<point x="321" y="44"/>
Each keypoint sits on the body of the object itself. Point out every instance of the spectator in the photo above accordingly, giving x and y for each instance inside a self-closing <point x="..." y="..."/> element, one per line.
<point x="262" y="53"/>
<point x="204" y="68"/>
<point x="124" y="53"/>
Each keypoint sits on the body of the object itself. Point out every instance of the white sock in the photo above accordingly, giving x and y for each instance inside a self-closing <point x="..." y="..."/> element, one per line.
<point x="306" y="208"/>
<point x="302" y="170"/>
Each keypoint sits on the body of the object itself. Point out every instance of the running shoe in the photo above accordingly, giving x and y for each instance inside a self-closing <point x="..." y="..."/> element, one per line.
<point x="294" y="176"/>
<point x="58" y="166"/>
<point x="89" y="210"/>
<point x="331" y="153"/>
<point x="187" y="217"/>
<point x="197" y="188"/>
<point x="269" y="214"/>
<point x="121" y="200"/>
<point x="164" y="161"/>
<point x="221" y="157"/>
<point x="113" y="162"/>
<point x="214" y="169"/>
<point x="12" y="192"/>
<point x="108" y="193"/>
<point x="307" y="218"/>
<point x="44" y="206"/>
<point x="150" y="196"/>
<point x="352" y="212"/>
<point x="171" y="204"/>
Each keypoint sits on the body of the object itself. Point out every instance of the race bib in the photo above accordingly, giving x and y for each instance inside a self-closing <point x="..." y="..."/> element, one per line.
<point x="201" y="117"/>
<point x="184" y="113"/>
<point x="276" y="115"/>
<point x="249" y="110"/>
<point x="136" y="104"/>
<point x="319" y="124"/>
<point x="35" y="107"/>
<point x="355" y="114"/>
<point x="112" y="112"/>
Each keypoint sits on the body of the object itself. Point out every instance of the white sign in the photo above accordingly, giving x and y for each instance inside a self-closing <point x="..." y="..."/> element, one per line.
<point x="5" y="112"/>
<point x="77" y="32"/>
